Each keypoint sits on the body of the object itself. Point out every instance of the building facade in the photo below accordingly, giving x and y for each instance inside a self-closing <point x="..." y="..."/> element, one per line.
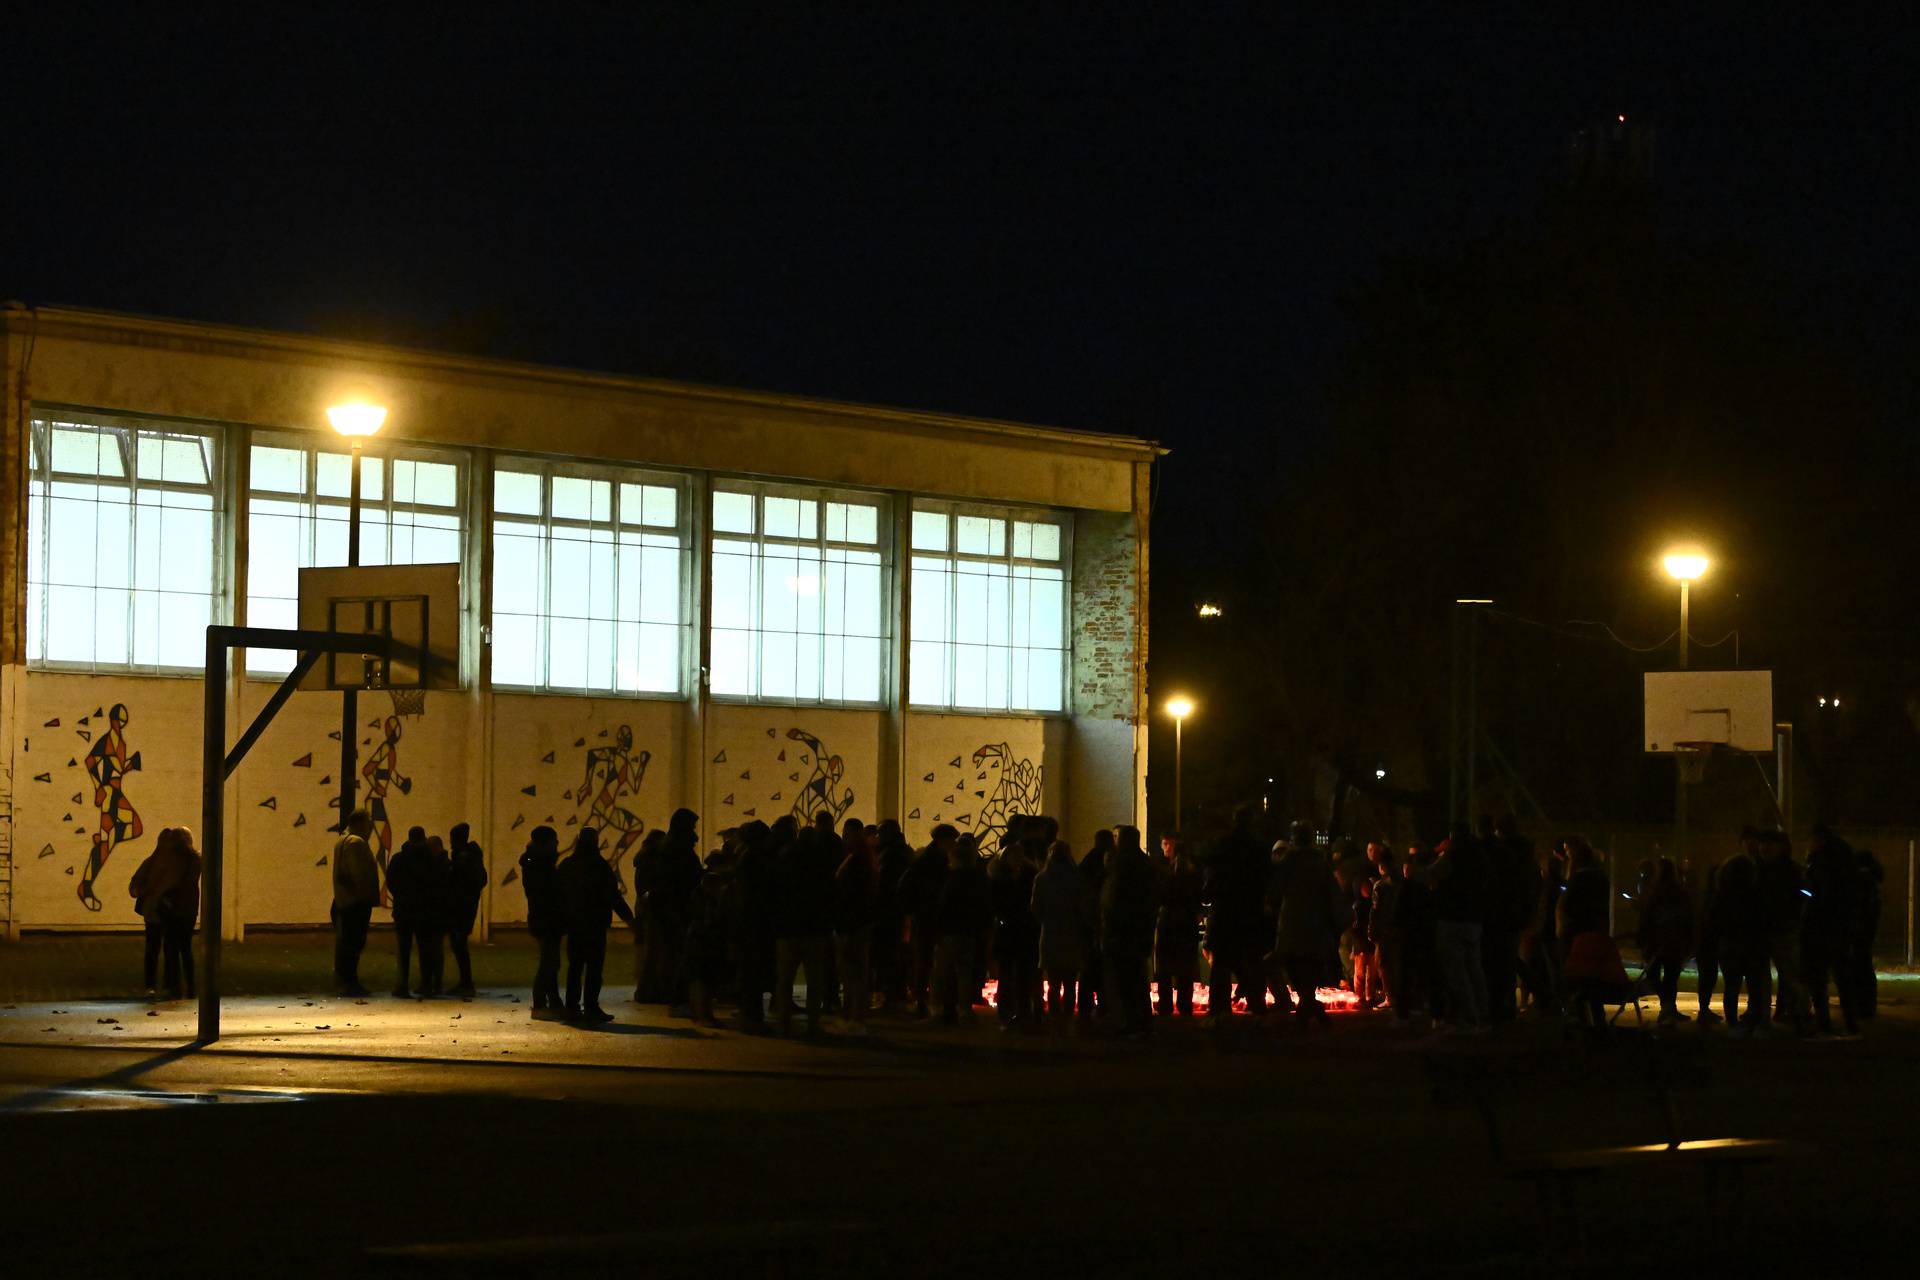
<point x="748" y="605"/>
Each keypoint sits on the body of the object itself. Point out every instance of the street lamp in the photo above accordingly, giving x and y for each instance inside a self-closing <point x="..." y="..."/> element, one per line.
<point x="1684" y="567"/>
<point x="1179" y="707"/>
<point x="356" y="420"/>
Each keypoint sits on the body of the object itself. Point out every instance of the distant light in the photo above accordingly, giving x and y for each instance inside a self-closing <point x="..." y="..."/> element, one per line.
<point x="1209" y="610"/>
<point x="1623" y="119"/>
<point x="357" y="418"/>
<point x="1180" y="707"/>
<point x="1380" y="775"/>
<point x="1473" y="601"/>
<point x="1823" y="702"/>
<point x="1685" y="566"/>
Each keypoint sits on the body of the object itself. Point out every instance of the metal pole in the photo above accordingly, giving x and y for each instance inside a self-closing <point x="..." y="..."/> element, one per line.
<point x="1178" y="725"/>
<point x="1453" y="721"/>
<point x="350" y="698"/>
<point x="213" y="782"/>
<point x="1679" y="757"/>
<point x="1473" y="715"/>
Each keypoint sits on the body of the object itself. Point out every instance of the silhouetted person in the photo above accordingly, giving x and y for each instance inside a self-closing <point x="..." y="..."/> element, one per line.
<point x="466" y="881"/>
<point x="1830" y="927"/>
<point x="1306" y="902"/>
<point x="417" y="887"/>
<point x="856" y="889"/>
<point x="920" y="890"/>
<point x="356" y="888"/>
<point x="1126" y="930"/>
<point x="1460" y="891"/>
<point x="546" y="916"/>
<point x="1666" y="935"/>
<point x="961" y="919"/>
<point x="754" y="891"/>
<point x="1513" y="885"/>
<point x="1388" y="934"/>
<point x="1741" y="935"/>
<point x="891" y="960"/>
<point x="666" y="874"/>
<point x="1782" y="902"/>
<point x="709" y="932"/>
<point x="1706" y="944"/>
<point x="1059" y="906"/>
<point x="1093" y="876"/>
<point x="592" y="896"/>
<point x="166" y="892"/>
<point x="1858" y="964"/>
<point x="1592" y="962"/>
<point x="1416" y="915"/>
<point x="1234" y="886"/>
<point x="803" y="923"/>
<point x="1016" y="933"/>
<point x="1176" y="935"/>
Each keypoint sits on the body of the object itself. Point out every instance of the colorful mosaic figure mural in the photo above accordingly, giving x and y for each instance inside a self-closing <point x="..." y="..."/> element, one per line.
<point x="822" y="792"/>
<point x="614" y="773"/>
<point x="108" y="764"/>
<point x="382" y="774"/>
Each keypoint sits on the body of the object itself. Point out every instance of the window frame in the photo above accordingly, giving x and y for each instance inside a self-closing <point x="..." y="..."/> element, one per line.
<point x="883" y="545"/>
<point x="386" y="451"/>
<point x="548" y="468"/>
<point x="40" y="421"/>
<point x="952" y="556"/>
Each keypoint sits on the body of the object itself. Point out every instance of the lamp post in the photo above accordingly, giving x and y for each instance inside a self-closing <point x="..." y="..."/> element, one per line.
<point x="1682" y="565"/>
<point x="355" y="420"/>
<point x="1179" y="707"/>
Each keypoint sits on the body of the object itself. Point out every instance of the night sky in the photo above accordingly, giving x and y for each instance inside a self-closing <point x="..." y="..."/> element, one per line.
<point x="1092" y="217"/>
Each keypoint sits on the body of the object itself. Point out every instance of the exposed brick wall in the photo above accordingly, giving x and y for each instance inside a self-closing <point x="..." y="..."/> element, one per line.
<point x="1109" y="614"/>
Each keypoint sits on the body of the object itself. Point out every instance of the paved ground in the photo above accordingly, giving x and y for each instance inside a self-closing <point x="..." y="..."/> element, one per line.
<point x="324" y="1136"/>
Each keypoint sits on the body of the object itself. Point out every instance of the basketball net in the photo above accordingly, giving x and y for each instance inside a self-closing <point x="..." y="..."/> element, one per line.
<point x="408" y="702"/>
<point x="1692" y="757"/>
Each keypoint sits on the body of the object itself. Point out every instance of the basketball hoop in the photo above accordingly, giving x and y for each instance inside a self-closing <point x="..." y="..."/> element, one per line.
<point x="1692" y="758"/>
<point x="408" y="702"/>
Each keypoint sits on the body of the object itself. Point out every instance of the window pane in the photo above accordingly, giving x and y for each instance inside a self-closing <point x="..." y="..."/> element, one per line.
<point x="516" y="493"/>
<point x="863" y="524"/>
<point x="516" y="573"/>
<point x="436" y="484"/>
<point x="87" y="451"/>
<point x="732" y="513"/>
<point x="659" y="584"/>
<point x="278" y="470"/>
<point x="927" y="674"/>
<point x="929" y="531"/>
<point x="1046" y="542"/>
<point x="659" y="659"/>
<point x="929" y="613"/>
<point x="572" y="498"/>
<point x="731" y="655"/>
<point x="516" y="655"/>
<point x="783" y="518"/>
<point x="732" y="585"/>
<point x="333" y="477"/>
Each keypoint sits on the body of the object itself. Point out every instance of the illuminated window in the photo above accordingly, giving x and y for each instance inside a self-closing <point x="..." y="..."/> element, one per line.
<point x="411" y="504"/>
<point x="988" y="629"/>
<point x="589" y="578"/>
<point x="799" y="595"/>
<point x="123" y="544"/>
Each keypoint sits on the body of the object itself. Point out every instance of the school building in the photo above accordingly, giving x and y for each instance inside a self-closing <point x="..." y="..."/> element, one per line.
<point x="749" y="605"/>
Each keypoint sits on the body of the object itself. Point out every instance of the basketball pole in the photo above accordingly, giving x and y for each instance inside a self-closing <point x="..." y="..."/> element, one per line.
<point x="350" y="697"/>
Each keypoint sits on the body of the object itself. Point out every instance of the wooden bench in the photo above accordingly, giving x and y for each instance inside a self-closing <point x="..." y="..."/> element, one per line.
<point x="1483" y="1079"/>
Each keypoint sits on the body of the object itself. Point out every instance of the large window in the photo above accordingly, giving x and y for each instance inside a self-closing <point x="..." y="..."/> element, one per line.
<point x="297" y="516"/>
<point x="123" y="538"/>
<point x="589" y="578"/>
<point x="989" y="610"/>
<point x="798" y="595"/>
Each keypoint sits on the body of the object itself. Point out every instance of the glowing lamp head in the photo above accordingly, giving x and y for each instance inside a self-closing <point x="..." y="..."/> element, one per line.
<point x="357" y="419"/>
<point x="1180" y="708"/>
<point x="1685" y="566"/>
<point x="1209" y="610"/>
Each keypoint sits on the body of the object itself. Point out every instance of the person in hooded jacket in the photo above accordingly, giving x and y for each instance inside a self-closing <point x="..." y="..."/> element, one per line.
<point x="1176" y="935"/>
<point x="1126" y="931"/>
<point x="921" y="887"/>
<point x="166" y="893"/>
<point x="591" y="892"/>
<point x="417" y="884"/>
<point x="546" y="916"/>
<point x="1234" y="886"/>
<point x="891" y="958"/>
<point x="754" y="889"/>
<point x="1093" y="876"/>
<point x="1059" y="905"/>
<point x="1307" y="903"/>
<point x="466" y="882"/>
<point x="1016" y="933"/>
<point x="961" y="918"/>
<point x="1666" y="934"/>
<point x="1829" y="927"/>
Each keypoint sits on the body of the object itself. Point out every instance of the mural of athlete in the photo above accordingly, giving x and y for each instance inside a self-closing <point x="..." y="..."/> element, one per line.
<point x="821" y="792"/>
<point x="108" y="764"/>
<point x="614" y="773"/>
<point x="1016" y="790"/>
<point x="382" y="772"/>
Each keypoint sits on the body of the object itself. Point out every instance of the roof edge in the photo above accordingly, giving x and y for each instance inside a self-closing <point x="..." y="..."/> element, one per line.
<point x="30" y="319"/>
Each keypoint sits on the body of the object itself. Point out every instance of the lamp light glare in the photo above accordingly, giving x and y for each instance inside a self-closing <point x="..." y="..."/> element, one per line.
<point x="1380" y="775"/>
<point x="357" y="418"/>
<point x="1180" y="707"/>
<point x="1209" y="610"/>
<point x="1685" y="566"/>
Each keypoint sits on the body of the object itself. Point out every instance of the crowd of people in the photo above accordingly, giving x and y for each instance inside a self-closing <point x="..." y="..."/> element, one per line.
<point x="1463" y="936"/>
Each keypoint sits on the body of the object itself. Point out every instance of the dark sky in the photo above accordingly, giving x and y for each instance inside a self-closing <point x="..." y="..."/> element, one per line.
<point x="1090" y="217"/>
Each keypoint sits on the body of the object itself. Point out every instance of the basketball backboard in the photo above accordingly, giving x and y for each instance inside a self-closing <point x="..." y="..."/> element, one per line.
<point x="1727" y="708"/>
<point x="417" y="606"/>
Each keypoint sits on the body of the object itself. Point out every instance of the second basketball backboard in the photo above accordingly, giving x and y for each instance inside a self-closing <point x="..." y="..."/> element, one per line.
<point x="1726" y="708"/>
